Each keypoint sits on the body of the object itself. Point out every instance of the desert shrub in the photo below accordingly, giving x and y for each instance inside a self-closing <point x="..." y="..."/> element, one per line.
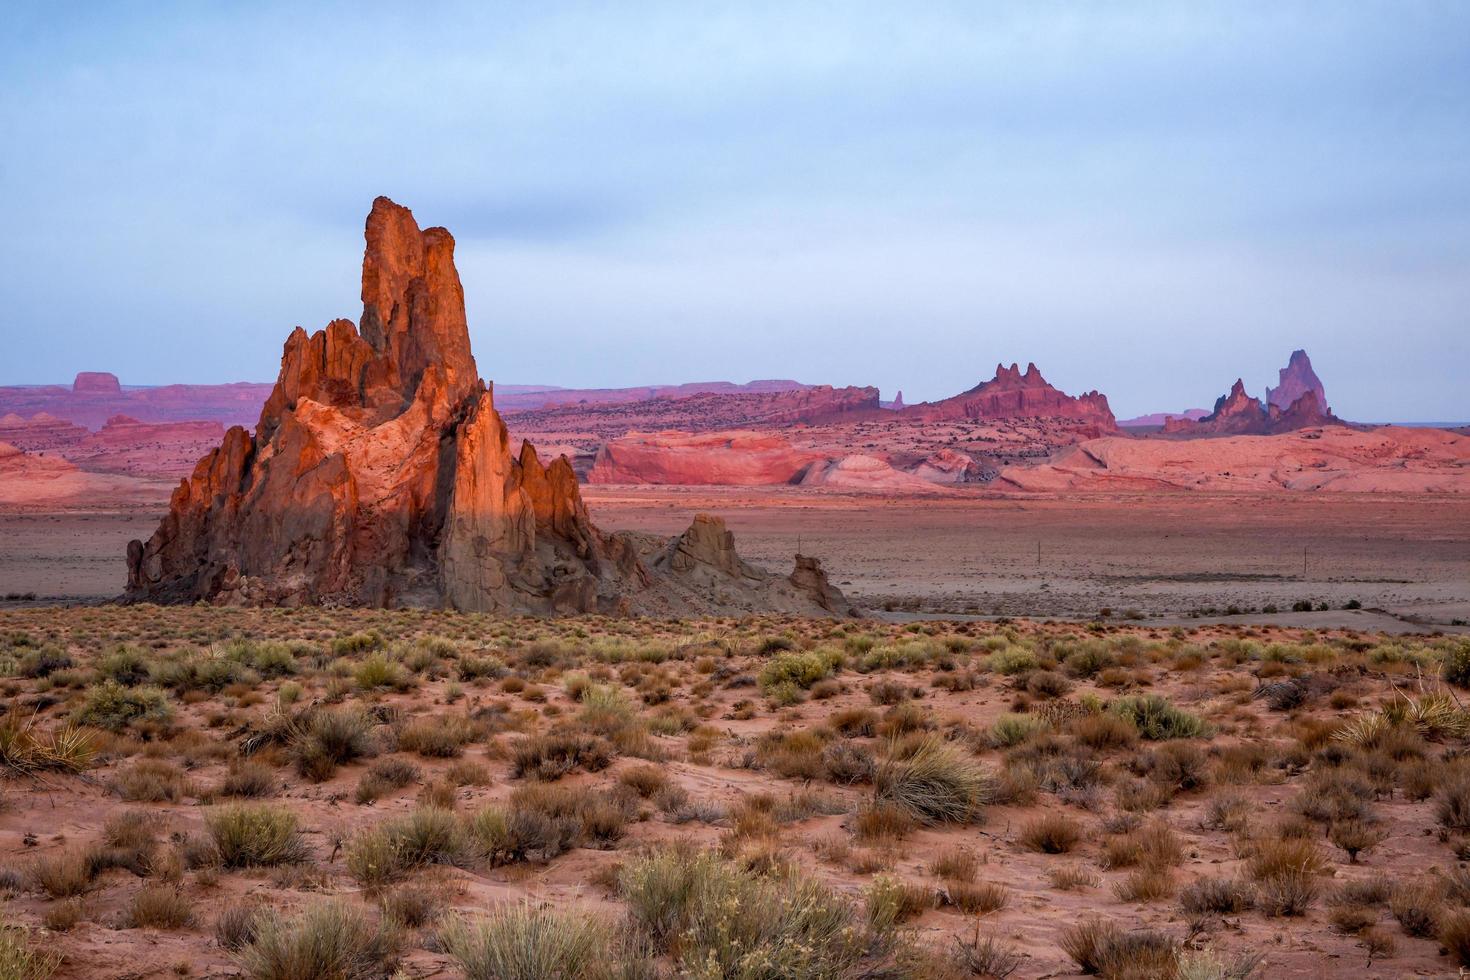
<point x="1146" y="884"/>
<point x="1103" y="949"/>
<point x="1100" y="730"/>
<point x="1052" y="833"/>
<point x="437" y="738"/>
<point x="854" y="722"/>
<point x="1156" y="719"/>
<point x="645" y="780"/>
<point x="721" y="922"/>
<point x="933" y="781"/>
<point x="1456" y="665"/>
<point x="523" y="942"/>
<point x="386" y="853"/>
<point x="890" y="901"/>
<point x="1418" y="906"/>
<point x="1218" y="896"/>
<point x="43" y="662"/>
<point x="248" y="779"/>
<point x="1452" y="804"/>
<point x="550" y="757"/>
<point x="801" y="669"/>
<point x="847" y="764"/>
<point x="152" y="781"/>
<point x="1454" y="935"/>
<point x="796" y="755"/>
<point x="249" y="835"/>
<point x="1047" y="684"/>
<point x="880" y="821"/>
<point x="1354" y="837"/>
<point x="1284" y="695"/>
<point x="113" y="706"/>
<point x="331" y="940"/>
<point x="237" y="924"/>
<point x="955" y="864"/>
<point x="889" y="692"/>
<point x="127" y="666"/>
<point x="346" y="646"/>
<point x="1088" y="661"/>
<point x="159" y="907"/>
<point x="378" y="672"/>
<point x="21" y="959"/>
<point x="976" y="898"/>
<point x="331" y="737"/>
<point x="1286" y="874"/>
<point x="1181" y="766"/>
<point x="1010" y="730"/>
<point x="385" y="776"/>
<point x="413" y="906"/>
<point x="62" y="875"/>
<point x="1011" y="660"/>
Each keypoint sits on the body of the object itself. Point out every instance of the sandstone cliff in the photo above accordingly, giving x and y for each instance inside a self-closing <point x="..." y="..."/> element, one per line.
<point x="381" y="474"/>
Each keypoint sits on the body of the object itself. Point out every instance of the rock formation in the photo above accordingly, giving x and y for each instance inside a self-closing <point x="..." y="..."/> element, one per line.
<point x="1294" y="381"/>
<point x="1237" y="413"/>
<point x="381" y="474"/>
<point x="1334" y="458"/>
<point x="1011" y="394"/>
<point x="96" y="383"/>
<point x="736" y="458"/>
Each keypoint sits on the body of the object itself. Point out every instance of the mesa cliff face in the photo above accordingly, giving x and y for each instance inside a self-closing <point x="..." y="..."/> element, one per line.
<point x="1012" y="394"/>
<point x="381" y="474"/>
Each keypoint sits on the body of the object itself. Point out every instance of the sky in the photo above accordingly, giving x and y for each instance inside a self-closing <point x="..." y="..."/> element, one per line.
<point x="1146" y="199"/>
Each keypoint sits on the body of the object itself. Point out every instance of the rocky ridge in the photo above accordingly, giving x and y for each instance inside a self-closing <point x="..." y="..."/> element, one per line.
<point x="1013" y="394"/>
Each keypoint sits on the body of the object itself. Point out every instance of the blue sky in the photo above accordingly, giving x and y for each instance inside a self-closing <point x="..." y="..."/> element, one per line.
<point x="1150" y="199"/>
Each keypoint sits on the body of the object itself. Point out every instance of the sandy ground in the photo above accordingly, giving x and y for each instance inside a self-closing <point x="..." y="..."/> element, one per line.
<point x="1164" y="557"/>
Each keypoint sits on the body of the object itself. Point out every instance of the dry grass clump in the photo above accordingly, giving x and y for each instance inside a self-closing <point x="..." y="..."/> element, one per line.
<point x="330" y="737"/>
<point x="550" y="757"/>
<point x="436" y="738"/>
<point x="1217" y="896"/>
<point x="254" y="835"/>
<point x="1052" y="833"/>
<point x="1286" y="873"/>
<point x="890" y="901"/>
<point x="718" y="921"/>
<point x="975" y="898"/>
<point x="523" y="942"/>
<point x="1418" y="906"/>
<point x="331" y="939"/>
<point x="20" y="957"/>
<point x="152" y="781"/>
<point x="1103" y="949"/>
<point x="383" y="777"/>
<point x="388" y="852"/>
<point x="933" y="782"/>
<point x="159" y="907"/>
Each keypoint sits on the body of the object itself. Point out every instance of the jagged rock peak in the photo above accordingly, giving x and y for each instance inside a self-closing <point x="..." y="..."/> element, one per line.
<point x="381" y="475"/>
<point x="1296" y="380"/>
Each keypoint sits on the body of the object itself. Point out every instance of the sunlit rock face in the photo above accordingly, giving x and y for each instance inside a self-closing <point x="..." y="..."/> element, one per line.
<point x="380" y="474"/>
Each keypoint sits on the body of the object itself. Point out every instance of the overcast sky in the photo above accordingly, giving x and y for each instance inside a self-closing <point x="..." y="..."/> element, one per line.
<point x="1148" y="199"/>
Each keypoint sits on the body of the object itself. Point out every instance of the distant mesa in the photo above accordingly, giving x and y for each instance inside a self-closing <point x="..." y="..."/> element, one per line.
<point x="1157" y="419"/>
<point x="1012" y="394"/>
<point x="381" y="474"/>
<point x="96" y="383"/>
